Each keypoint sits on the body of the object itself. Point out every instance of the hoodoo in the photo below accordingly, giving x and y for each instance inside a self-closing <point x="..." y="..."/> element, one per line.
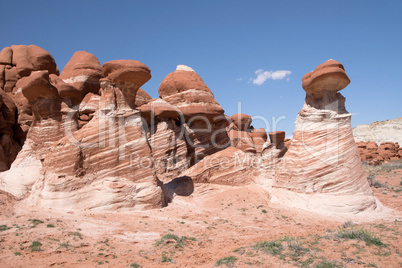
<point x="322" y="168"/>
<point x="91" y="138"/>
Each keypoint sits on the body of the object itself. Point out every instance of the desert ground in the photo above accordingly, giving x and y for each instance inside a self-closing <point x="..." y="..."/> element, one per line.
<point x="215" y="226"/>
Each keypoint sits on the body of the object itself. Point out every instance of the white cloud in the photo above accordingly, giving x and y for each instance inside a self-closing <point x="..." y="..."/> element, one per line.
<point x="263" y="76"/>
<point x="239" y="79"/>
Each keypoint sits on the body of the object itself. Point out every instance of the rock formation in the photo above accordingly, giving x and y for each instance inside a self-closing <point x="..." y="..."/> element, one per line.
<point x="185" y="89"/>
<point x="204" y="120"/>
<point x="259" y="137"/>
<point x="373" y="154"/>
<point x="17" y="62"/>
<point x="91" y="138"/>
<point x="322" y="169"/>
<point x="379" y="132"/>
<point x="83" y="72"/>
<point x="239" y="132"/>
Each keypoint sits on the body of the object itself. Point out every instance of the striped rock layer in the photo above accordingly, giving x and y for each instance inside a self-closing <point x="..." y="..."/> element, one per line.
<point x="322" y="169"/>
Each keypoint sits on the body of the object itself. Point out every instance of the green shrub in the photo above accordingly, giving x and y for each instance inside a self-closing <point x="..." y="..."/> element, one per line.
<point x="35" y="246"/>
<point x="270" y="247"/>
<point x="361" y="234"/>
<point x="228" y="261"/>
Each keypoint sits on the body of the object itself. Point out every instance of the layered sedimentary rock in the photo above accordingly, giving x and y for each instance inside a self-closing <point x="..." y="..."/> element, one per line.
<point x="93" y="165"/>
<point x="322" y="169"/>
<point x="185" y="89"/>
<point x="93" y="139"/>
<point x="239" y="132"/>
<point x="47" y="128"/>
<point x="9" y="146"/>
<point x="109" y="152"/>
<point x="17" y="62"/>
<point x="379" y="132"/>
<point x="259" y="137"/>
<point x="203" y="120"/>
<point x="83" y="72"/>
<point x="231" y="166"/>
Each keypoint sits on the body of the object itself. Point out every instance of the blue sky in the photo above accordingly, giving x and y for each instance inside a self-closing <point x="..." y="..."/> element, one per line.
<point x="227" y="42"/>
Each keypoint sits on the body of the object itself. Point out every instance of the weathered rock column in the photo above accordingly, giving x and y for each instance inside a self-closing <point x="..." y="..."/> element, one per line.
<point x="323" y="164"/>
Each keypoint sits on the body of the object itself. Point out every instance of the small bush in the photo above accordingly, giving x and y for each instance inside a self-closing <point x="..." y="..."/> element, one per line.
<point x="35" y="246"/>
<point x="228" y="261"/>
<point x="64" y="245"/>
<point x="135" y="265"/>
<point x="50" y="225"/>
<point x="297" y="248"/>
<point x="327" y="264"/>
<point x="374" y="183"/>
<point x="165" y="257"/>
<point x="179" y="241"/>
<point x="361" y="234"/>
<point x="270" y="247"/>
<point x="35" y="222"/>
<point x="79" y="235"/>
<point x="4" y="227"/>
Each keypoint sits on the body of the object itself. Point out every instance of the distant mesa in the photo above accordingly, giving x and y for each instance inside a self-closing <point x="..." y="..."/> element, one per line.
<point x="92" y="139"/>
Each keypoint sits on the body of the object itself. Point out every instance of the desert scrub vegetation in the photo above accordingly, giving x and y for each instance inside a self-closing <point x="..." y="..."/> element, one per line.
<point x="4" y="227"/>
<point x="327" y="264"/>
<point x="35" y="222"/>
<point x="135" y="265"/>
<point x="384" y="167"/>
<point x="167" y="257"/>
<point x="374" y="183"/>
<point x="270" y="247"/>
<point x="361" y="234"/>
<point x="75" y="235"/>
<point x="178" y="242"/>
<point x="35" y="246"/>
<point x="347" y="245"/>
<point x="172" y="242"/>
<point x="227" y="261"/>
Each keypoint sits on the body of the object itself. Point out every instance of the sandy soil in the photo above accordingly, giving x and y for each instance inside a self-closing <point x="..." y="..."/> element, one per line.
<point x="215" y="226"/>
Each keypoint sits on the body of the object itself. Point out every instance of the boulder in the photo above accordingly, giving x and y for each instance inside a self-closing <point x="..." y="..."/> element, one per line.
<point x="259" y="137"/>
<point x="83" y="72"/>
<point x="6" y="55"/>
<point x="66" y="91"/>
<point x="90" y="104"/>
<point x="241" y="121"/>
<point x="159" y="109"/>
<point x="142" y="98"/>
<point x="21" y="58"/>
<point x="41" y="59"/>
<point x="128" y="76"/>
<point x="11" y="76"/>
<point x="242" y="140"/>
<point x="328" y="77"/>
<point x="37" y="86"/>
<point x="126" y="71"/>
<point x="372" y="146"/>
<point x="277" y="138"/>
<point x="2" y="76"/>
